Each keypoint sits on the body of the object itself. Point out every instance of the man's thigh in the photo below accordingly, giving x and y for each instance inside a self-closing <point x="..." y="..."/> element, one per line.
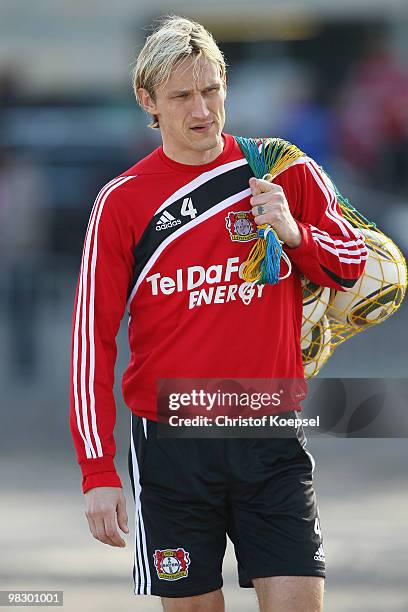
<point x="274" y="521"/>
<point x="290" y="593"/>
<point x="213" y="601"/>
<point x="180" y="513"/>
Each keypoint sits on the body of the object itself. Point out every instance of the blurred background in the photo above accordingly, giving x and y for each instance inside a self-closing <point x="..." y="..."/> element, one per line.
<point x="331" y="77"/>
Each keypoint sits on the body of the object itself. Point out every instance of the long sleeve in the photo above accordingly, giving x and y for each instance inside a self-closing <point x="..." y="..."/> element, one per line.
<point x="332" y="252"/>
<point x="100" y="301"/>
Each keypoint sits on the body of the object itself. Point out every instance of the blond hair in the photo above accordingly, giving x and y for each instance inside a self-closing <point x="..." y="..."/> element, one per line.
<point x="174" y="40"/>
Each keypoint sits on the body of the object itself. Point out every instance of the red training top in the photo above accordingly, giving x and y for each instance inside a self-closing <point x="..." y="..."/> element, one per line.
<point x="166" y="240"/>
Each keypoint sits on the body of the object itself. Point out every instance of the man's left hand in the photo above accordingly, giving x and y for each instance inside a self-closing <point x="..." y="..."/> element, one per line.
<point x="269" y="205"/>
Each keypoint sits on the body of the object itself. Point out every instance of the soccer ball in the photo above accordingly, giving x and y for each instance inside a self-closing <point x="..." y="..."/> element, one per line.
<point x="316" y="347"/>
<point x="379" y="292"/>
<point x="315" y="302"/>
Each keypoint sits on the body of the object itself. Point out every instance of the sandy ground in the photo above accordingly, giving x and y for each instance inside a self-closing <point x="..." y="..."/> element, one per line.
<point x="363" y="500"/>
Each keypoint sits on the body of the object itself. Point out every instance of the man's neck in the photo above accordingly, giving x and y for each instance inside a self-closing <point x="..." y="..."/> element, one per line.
<point x="194" y="158"/>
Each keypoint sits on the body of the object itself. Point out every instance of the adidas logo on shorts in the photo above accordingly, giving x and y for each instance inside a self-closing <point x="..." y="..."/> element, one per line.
<point x="319" y="554"/>
<point x="166" y="220"/>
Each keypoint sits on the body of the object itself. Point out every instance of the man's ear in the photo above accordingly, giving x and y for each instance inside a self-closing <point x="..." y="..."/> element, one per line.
<point x="146" y="101"/>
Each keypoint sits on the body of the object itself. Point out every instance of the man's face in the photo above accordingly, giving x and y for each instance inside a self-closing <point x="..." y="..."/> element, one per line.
<point x="190" y="110"/>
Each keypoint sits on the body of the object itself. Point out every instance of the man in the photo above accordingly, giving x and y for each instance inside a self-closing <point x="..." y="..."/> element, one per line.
<point x="161" y="240"/>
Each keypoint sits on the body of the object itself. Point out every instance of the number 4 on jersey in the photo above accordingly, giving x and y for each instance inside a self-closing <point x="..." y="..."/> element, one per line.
<point x="187" y="208"/>
<point x="317" y="529"/>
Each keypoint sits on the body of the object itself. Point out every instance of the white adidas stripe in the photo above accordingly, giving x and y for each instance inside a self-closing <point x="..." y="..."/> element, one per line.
<point x="142" y="581"/>
<point x="90" y="452"/>
<point x="330" y="198"/>
<point x="356" y="259"/>
<point x="327" y="187"/>
<point x="87" y="335"/>
<point x="359" y="254"/>
<point x="91" y="316"/>
<point x="139" y="576"/>
<point x="322" y="239"/>
<point x="324" y="235"/>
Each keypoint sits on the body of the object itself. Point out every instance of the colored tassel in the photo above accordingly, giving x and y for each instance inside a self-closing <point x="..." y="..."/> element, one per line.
<point x="263" y="262"/>
<point x="266" y="158"/>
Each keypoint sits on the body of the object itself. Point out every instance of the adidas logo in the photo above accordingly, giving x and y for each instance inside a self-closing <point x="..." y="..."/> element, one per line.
<point x="166" y="220"/>
<point x="319" y="554"/>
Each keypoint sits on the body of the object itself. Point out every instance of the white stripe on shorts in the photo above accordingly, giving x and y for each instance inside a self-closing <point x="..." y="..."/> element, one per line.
<point x="142" y="574"/>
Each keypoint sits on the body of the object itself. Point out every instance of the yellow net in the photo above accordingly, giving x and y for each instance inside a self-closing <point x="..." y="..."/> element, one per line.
<point x="330" y="317"/>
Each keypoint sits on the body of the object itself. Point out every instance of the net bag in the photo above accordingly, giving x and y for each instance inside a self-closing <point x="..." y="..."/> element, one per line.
<point x="329" y="317"/>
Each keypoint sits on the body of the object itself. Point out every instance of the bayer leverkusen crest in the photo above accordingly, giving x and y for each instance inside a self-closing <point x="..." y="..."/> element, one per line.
<point x="241" y="226"/>
<point x="172" y="563"/>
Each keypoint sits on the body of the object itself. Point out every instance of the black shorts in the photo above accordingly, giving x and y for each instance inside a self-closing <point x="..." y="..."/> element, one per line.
<point x="191" y="492"/>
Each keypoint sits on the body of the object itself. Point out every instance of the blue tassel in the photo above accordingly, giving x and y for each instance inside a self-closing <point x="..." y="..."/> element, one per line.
<point x="270" y="266"/>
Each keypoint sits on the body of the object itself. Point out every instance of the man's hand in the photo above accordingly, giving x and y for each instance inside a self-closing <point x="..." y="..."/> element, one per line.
<point x="103" y="505"/>
<point x="274" y="210"/>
